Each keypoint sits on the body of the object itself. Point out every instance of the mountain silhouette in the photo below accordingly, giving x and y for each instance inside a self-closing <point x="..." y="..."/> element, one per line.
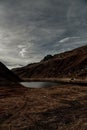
<point x="7" y="75"/>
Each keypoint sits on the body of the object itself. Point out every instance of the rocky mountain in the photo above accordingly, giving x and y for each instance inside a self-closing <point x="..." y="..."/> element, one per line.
<point x="7" y="75"/>
<point x="68" y="64"/>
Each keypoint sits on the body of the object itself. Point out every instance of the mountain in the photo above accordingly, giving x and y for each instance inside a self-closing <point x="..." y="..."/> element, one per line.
<point x="68" y="64"/>
<point x="7" y="75"/>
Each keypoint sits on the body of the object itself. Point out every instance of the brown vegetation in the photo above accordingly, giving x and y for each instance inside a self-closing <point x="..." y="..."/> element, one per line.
<point x="68" y="64"/>
<point x="62" y="107"/>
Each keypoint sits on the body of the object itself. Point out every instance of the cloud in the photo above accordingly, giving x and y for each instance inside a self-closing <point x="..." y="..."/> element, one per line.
<point x="64" y="40"/>
<point x="31" y="29"/>
<point x="23" y="52"/>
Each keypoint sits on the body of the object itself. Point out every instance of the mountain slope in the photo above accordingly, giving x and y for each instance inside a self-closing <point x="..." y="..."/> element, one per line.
<point x="67" y="64"/>
<point x="7" y="75"/>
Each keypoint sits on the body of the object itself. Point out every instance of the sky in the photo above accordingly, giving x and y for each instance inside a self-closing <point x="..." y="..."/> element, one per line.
<point x="31" y="29"/>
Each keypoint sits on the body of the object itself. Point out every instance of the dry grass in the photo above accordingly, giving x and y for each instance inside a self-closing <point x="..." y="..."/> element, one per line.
<point x="62" y="107"/>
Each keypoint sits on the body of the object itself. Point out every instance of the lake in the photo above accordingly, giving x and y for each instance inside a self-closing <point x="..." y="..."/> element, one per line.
<point x="39" y="84"/>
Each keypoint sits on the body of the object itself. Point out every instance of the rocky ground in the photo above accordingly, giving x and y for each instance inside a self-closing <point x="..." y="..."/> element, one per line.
<point x="62" y="107"/>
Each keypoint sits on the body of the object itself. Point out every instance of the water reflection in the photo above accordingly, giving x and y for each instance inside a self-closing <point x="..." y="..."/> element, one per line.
<point x="39" y="84"/>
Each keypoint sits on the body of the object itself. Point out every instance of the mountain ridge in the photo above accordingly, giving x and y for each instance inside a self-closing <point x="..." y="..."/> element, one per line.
<point x="68" y="64"/>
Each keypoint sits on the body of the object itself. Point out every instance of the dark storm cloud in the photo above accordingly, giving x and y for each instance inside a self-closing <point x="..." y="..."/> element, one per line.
<point x="30" y="29"/>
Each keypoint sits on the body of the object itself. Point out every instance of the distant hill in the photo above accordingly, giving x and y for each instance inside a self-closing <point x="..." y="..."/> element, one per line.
<point x="68" y="64"/>
<point x="7" y="75"/>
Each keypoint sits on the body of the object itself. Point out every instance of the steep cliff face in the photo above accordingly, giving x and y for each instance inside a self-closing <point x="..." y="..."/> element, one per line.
<point x="67" y="64"/>
<point x="7" y="75"/>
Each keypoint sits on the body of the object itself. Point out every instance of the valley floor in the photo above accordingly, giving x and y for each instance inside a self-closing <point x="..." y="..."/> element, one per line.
<point x="62" y="107"/>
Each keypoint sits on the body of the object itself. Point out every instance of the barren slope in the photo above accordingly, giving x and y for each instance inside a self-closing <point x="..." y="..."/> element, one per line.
<point x="68" y="64"/>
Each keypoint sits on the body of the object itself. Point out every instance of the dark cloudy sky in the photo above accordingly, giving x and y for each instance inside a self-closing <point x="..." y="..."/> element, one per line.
<point x="31" y="29"/>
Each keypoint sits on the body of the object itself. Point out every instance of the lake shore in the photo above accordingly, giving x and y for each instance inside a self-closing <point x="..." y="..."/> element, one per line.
<point x="79" y="81"/>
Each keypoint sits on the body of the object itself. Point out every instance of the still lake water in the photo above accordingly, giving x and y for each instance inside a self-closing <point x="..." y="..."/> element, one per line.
<point x="39" y="84"/>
